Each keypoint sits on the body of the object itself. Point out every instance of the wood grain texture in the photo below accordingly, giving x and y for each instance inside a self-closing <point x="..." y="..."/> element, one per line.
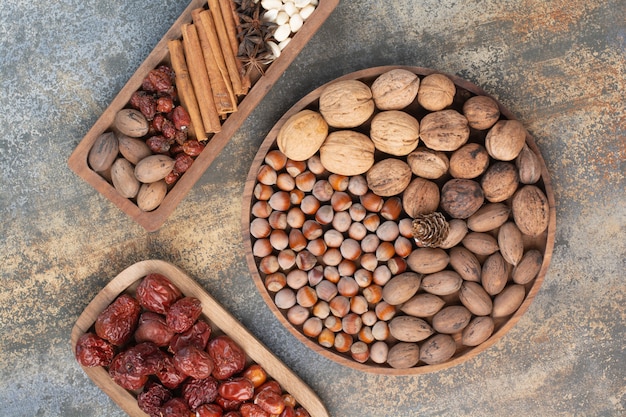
<point x="544" y="242"/>
<point x="153" y="220"/>
<point x="220" y="320"/>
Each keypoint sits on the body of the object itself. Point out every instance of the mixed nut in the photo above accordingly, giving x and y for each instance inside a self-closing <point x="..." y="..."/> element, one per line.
<point x="395" y="221"/>
<point x="156" y="344"/>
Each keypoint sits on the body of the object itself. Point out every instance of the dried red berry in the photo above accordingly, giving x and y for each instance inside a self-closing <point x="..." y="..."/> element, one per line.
<point x="192" y="147"/>
<point x="168" y="374"/>
<point x="164" y="104"/>
<point x="183" y="314"/>
<point x="193" y="362"/>
<point x="152" y="398"/>
<point x="159" y="80"/>
<point x="126" y="372"/>
<point x="270" y="401"/>
<point x="176" y="407"/>
<point x="182" y="163"/>
<point x="118" y="321"/>
<point x="153" y="328"/>
<point x="227" y="356"/>
<point x="238" y="389"/>
<point x="158" y="144"/>
<point x="209" y="410"/>
<point x="199" y="391"/>
<point x="92" y="350"/>
<point x="156" y="293"/>
<point x="145" y="103"/>
<point x="252" y="410"/>
<point x="197" y="336"/>
<point x="181" y="118"/>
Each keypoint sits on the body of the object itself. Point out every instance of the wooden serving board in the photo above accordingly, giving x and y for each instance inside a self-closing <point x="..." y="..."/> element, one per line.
<point x="221" y="321"/>
<point x="153" y="220"/>
<point x="544" y="242"/>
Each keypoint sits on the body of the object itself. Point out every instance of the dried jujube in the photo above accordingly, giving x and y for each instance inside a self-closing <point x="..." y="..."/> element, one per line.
<point x="153" y="328"/>
<point x="118" y="321"/>
<point x="194" y="362"/>
<point x="152" y="398"/>
<point x="156" y="293"/>
<point x="197" y="336"/>
<point x="183" y="314"/>
<point x="199" y="391"/>
<point x="168" y="374"/>
<point x="92" y="350"/>
<point x="176" y="407"/>
<point x="227" y="356"/>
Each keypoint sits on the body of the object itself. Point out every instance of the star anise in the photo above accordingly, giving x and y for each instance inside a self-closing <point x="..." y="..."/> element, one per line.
<point x="256" y="61"/>
<point x="252" y="24"/>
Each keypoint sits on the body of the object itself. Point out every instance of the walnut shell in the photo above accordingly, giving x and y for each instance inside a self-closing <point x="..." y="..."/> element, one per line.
<point x="436" y="92"/>
<point x="482" y="112"/>
<point x="346" y="104"/>
<point x="346" y="152"/>
<point x="302" y="135"/>
<point x="103" y="152"/>
<point x="388" y="177"/>
<point x="505" y="140"/>
<point x="531" y="210"/>
<point x="421" y="196"/>
<point x="438" y="349"/>
<point x="469" y="161"/>
<point x="500" y="182"/>
<point x="445" y="130"/>
<point x="461" y="198"/>
<point x="427" y="163"/>
<point x="395" y="89"/>
<point x="395" y="132"/>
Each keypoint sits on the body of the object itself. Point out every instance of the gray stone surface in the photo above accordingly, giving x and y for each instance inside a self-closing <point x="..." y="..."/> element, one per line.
<point x="559" y="66"/>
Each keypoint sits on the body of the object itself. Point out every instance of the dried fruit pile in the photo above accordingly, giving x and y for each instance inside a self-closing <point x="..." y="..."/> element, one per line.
<point x="399" y="220"/>
<point x="156" y="345"/>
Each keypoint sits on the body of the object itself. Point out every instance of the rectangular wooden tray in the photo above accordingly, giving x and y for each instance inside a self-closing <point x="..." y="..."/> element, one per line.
<point x="153" y="220"/>
<point x="221" y="321"/>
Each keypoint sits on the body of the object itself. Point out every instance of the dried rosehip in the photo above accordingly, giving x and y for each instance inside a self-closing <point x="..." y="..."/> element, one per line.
<point x="197" y="336"/>
<point x="181" y="118"/>
<point x="288" y="412"/>
<point x="145" y="103"/>
<point x="180" y="137"/>
<point x="252" y="410"/>
<point x="152" y="398"/>
<point x="124" y="372"/>
<point x="192" y="147"/>
<point x="164" y="104"/>
<point x="169" y="130"/>
<point x="172" y="177"/>
<point x="238" y="389"/>
<point x="176" y="407"/>
<point x="270" y="401"/>
<point x="119" y="320"/>
<point x="228" y="357"/>
<point x="168" y="374"/>
<point x="92" y="350"/>
<point x="193" y="362"/>
<point x="153" y="328"/>
<point x="183" y="314"/>
<point x="158" y="80"/>
<point x="209" y="410"/>
<point x="233" y="414"/>
<point x="256" y="374"/>
<point x="158" y="144"/>
<point x="199" y="391"/>
<point x="156" y="293"/>
<point x="182" y="163"/>
<point x="301" y="412"/>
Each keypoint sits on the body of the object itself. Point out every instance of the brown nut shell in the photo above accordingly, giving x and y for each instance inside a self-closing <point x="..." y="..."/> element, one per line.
<point x="528" y="166"/>
<point x="427" y="260"/>
<point x="421" y="196"/>
<point x="445" y="130"/>
<point x="401" y="288"/>
<point x="469" y="161"/>
<point x="477" y="331"/>
<point x="505" y="140"/>
<point x="437" y="349"/>
<point x="451" y="319"/>
<point x="531" y="210"/>
<point x="528" y="267"/>
<point x="131" y="122"/>
<point x="153" y="168"/>
<point x="388" y="177"/>
<point x="481" y="112"/>
<point x="511" y="243"/>
<point x="480" y="243"/>
<point x="123" y="178"/>
<point x="508" y="301"/>
<point x="456" y="233"/>
<point x="427" y="163"/>
<point x="409" y="329"/>
<point x="346" y="104"/>
<point x="499" y="182"/>
<point x="474" y="297"/>
<point x="348" y="153"/>
<point x="465" y="263"/>
<point x="403" y="355"/>
<point x="488" y="217"/>
<point x="494" y="274"/>
<point x="302" y="135"/>
<point x="395" y="89"/>
<point x="103" y="152"/>
<point x="395" y="132"/>
<point x="133" y="149"/>
<point x="151" y="195"/>
<point x="423" y="305"/>
<point x="442" y="283"/>
<point x="436" y="92"/>
<point x="461" y="198"/>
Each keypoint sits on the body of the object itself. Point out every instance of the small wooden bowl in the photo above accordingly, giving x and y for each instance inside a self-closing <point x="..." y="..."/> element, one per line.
<point x="544" y="242"/>
<point x="153" y="220"/>
<point x="221" y="321"/>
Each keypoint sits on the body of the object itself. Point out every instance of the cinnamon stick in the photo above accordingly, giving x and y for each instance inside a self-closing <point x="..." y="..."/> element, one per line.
<point x="206" y="21"/>
<point x="221" y="95"/>
<point x="231" y="21"/>
<point x="200" y="79"/>
<point x="227" y="51"/>
<point x="185" y="89"/>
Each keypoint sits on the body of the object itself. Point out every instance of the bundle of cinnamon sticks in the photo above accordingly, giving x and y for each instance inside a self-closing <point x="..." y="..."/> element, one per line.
<point x="208" y="73"/>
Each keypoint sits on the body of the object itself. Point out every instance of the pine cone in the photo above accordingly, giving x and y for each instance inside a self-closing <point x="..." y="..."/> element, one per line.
<point x="430" y="230"/>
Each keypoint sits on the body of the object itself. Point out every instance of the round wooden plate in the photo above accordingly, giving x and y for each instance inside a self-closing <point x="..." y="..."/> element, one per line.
<point x="544" y="242"/>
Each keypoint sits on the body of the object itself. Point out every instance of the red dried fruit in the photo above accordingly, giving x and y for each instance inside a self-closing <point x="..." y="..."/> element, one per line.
<point x="153" y="328"/>
<point x="233" y="414"/>
<point x="159" y="80"/>
<point x="168" y="374"/>
<point x="164" y="104"/>
<point x="92" y="350"/>
<point x="152" y="398"/>
<point x="181" y="118"/>
<point x="199" y="391"/>
<point x="209" y="410"/>
<point x="118" y="321"/>
<point x="197" y="336"/>
<point x="169" y="130"/>
<point x="124" y="372"/>
<point x="256" y="374"/>
<point x="238" y="389"/>
<point x="288" y="412"/>
<point x="157" y="122"/>
<point x="180" y="137"/>
<point x="301" y="412"/>
<point x="192" y="147"/>
<point x="171" y="178"/>
<point x="145" y="103"/>
<point x="156" y="293"/>
<point x="183" y="314"/>
<point x="193" y="362"/>
<point x="227" y="356"/>
<point x="252" y="410"/>
<point x="182" y="162"/>
<point x="227" y="405"/>
<point x="270" y="401"/>
<point x="176" y="407"/>
<point x="158" y="144"/>
<point x="270" y="385"/>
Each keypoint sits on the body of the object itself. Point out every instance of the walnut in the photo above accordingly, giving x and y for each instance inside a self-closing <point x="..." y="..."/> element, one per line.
<point x="395" y="89"/>
<point x="346" y="104"/>
<point x="481" y="112"/>
<point x="427" y="163"/>
<point x="302" y="135"/>
<point x="388" y="177"/>
<point x="395" y="132"/>
<point x="469" y="161"/>
<point x="346" y="152"/>
<point x="461" y="198"/>
<point x="505" y="140"/>
<point x="420" y="197"/>
<point x="445" y="130"/>
<point x="436" y="92"/>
